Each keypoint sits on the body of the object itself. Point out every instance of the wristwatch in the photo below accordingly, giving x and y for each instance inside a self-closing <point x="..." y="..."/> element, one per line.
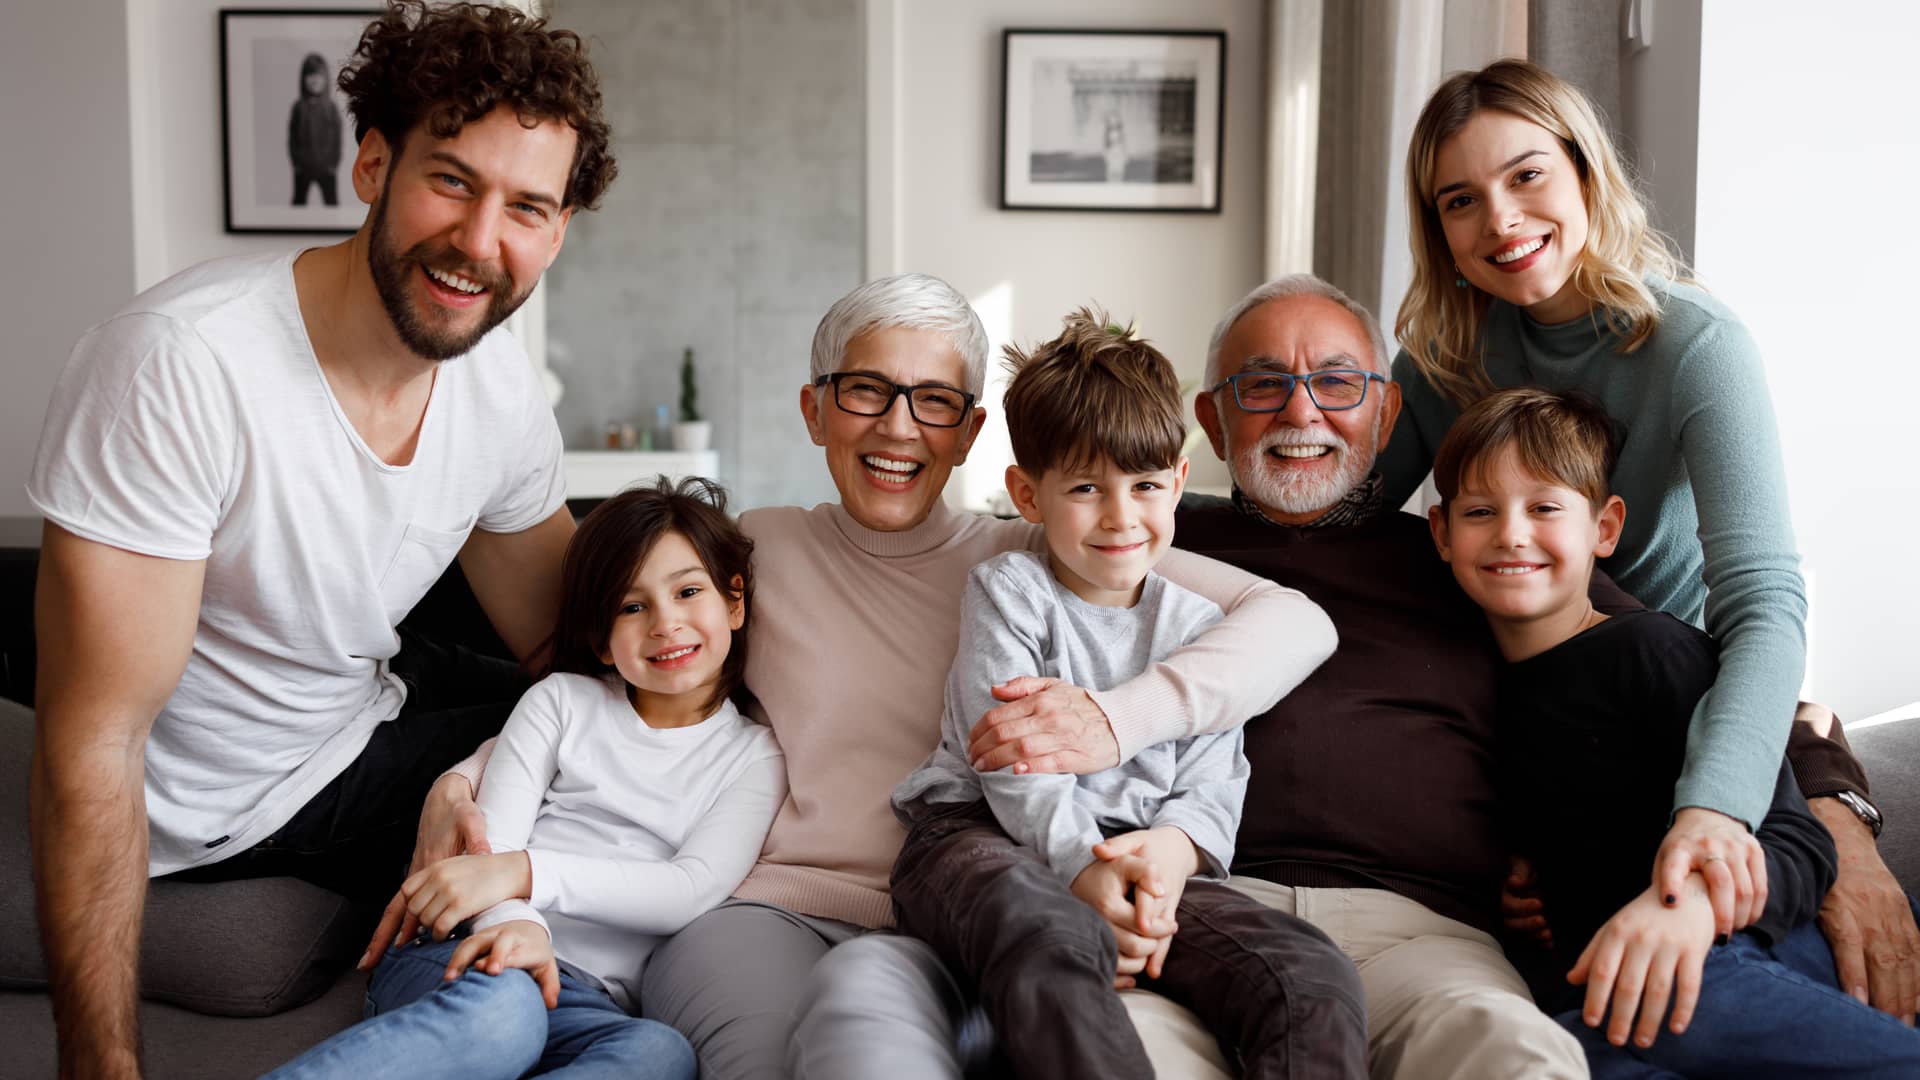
<point x="1862" y="809"/>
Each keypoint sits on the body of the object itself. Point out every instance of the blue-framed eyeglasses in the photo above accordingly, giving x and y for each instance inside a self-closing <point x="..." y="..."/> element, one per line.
<point x="864" y="394"/>
<point x="1331" y="390"/>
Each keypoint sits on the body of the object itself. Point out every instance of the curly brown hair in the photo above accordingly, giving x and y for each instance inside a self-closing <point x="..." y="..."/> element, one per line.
<point x="445" y="67"/>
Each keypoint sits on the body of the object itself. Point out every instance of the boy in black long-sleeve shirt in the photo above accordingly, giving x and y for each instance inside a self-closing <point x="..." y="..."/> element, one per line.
<point x="1592" y="737"/>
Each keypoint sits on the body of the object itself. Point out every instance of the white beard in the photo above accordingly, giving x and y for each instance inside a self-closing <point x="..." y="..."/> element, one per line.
<point x="1257" y="474"/>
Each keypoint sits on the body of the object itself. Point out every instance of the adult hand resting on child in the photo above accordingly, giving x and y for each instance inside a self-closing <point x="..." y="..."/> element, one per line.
<point x="450" y="824"/>
<point x="1867" y="919"/>
<point x="1045" y="726"/>
<point x="1647" y="953"/>
<point x="1727" y="858"/>
<point x="1866" y="916"/>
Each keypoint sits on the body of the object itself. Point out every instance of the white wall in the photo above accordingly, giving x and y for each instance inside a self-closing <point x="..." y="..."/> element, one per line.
<point x="178" y="197"/>
<point x="933" y="190"/>
<point x="1808" y="155"/>
<point x="63" y="76"/>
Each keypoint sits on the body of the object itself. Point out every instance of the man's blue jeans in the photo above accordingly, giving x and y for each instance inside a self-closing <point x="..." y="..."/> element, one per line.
<point x="1764" y="1012"/>
<point x="480" y="1025"/>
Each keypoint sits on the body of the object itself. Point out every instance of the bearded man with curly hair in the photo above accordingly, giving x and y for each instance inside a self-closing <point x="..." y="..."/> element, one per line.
<point x="254" y="470"/>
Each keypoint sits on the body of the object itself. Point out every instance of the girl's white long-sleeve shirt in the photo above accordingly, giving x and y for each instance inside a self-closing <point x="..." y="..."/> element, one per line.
<point x="630" y="831"/>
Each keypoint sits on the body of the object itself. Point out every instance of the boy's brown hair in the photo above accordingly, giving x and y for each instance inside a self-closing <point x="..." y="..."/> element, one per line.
<point x="1095" y="391"/>
<point x="1564" y="437"/>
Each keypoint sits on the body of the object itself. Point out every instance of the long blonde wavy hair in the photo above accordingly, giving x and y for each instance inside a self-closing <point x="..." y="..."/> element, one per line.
<point x="1439" y="323"/>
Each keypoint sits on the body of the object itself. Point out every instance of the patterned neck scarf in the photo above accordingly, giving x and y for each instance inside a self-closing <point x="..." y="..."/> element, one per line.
<point x="1356" y="507"/>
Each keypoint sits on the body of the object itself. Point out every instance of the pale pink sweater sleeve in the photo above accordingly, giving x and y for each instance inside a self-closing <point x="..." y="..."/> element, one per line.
<point x="474" y="764"/>
<point x="1271" y="639"/>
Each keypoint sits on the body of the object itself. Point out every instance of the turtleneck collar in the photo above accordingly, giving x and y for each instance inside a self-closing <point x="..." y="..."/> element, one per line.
<point x="937" y="529"/>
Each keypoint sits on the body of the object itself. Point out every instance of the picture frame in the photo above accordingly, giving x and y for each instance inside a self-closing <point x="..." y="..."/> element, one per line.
<point x="286" y="138"/>
<point x="1126" y="120"/>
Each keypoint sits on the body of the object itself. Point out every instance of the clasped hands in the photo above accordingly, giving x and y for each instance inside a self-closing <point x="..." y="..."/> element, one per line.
<point x="1136" y="879"/>
<point x="1135" y="883"/>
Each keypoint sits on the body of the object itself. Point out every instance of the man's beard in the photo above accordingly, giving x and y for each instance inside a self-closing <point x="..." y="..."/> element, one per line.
<point x="391" y="269"/>
<point x="1256" y="474"/>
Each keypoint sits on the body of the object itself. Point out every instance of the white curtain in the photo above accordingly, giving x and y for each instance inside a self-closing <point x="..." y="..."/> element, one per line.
<point x="1345" y="82"/>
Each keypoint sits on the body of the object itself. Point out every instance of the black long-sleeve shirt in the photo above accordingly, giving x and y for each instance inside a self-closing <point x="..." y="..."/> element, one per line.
<point x="1592" y="735"/>
<point x="1378" y="770"/>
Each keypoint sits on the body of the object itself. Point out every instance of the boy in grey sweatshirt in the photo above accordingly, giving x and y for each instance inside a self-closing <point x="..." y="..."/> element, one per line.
<point x="1052" y="891"/>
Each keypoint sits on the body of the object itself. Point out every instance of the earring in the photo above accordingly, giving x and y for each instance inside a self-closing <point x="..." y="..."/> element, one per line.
<point x="1459" y="279"/>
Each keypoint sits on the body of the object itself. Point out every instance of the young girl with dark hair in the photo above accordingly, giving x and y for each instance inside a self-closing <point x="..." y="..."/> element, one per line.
<point x="626" y="796"/>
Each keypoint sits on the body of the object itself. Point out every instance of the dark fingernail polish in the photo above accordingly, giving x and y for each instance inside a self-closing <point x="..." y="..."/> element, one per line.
<point x="1720" y="939"/>
<point x="1669" y="899"/>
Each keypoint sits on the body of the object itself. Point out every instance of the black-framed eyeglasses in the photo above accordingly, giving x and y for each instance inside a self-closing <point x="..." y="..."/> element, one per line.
<point x="932" y="404"/>
<point x="1331" y="389"/>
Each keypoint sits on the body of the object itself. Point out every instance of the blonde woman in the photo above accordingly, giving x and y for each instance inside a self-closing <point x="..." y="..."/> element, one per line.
<point x="1534" y="264"/>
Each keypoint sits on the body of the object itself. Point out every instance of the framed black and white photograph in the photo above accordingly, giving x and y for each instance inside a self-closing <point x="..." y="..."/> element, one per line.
<point x="1112" y="119"/>
<point x="286" y="137"/>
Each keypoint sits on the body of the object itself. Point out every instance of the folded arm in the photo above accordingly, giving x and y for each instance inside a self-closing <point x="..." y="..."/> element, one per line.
<point x="1271" y="639"/>
<point x="654" y="896"/>
<point x="488" y="886"/>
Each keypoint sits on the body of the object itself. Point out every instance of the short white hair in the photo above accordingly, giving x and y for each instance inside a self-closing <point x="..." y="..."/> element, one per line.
<point x="1296" y="285"/>
<point x="915" y="301"/>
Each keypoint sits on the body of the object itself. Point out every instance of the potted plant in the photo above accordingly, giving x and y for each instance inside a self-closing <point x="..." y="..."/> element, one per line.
<point x="692" y="432"/>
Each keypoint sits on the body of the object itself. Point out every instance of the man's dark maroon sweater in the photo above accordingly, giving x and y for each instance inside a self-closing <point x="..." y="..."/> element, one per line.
<point x="1378" y="771"/>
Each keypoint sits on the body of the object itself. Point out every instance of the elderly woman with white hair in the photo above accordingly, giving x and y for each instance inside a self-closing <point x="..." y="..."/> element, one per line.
<point x="857" y="618"/>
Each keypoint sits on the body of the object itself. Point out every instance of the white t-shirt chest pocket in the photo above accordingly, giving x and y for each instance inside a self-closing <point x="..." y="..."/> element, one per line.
<point x="423" y="555"/>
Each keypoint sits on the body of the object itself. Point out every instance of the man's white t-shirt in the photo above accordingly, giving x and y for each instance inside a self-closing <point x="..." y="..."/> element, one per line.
<point x="196" y="424"/>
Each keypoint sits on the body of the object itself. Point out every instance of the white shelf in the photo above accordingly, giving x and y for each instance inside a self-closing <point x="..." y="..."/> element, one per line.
<point x="596" y="474"/>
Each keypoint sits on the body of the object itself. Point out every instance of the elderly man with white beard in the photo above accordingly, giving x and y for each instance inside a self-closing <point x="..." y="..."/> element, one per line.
<point x="1371" y="812"/>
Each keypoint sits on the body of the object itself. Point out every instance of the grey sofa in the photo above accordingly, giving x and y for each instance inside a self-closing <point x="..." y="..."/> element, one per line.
<point x="236" y="977"/>
<point x="272" y="942"/>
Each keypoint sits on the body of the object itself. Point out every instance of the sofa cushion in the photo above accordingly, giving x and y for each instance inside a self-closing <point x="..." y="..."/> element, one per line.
<point x="239" y="948"/>
<point x="1891" y="754"/>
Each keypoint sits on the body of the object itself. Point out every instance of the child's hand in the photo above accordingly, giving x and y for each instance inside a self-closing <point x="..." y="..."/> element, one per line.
<point x="1110" y="887"/>
<point x="1173" y="859"/>
<point x="1522" y="910"/>
<point x="450" y="824"/>
<point x="517" y="944"/>
<point x="1644" y="954"/>
<point x="1725" y="854"/>
<point x="451" y="890"/>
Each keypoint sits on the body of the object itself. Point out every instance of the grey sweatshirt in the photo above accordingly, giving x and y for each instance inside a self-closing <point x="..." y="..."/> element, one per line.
<point x="1015" y="619"/>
